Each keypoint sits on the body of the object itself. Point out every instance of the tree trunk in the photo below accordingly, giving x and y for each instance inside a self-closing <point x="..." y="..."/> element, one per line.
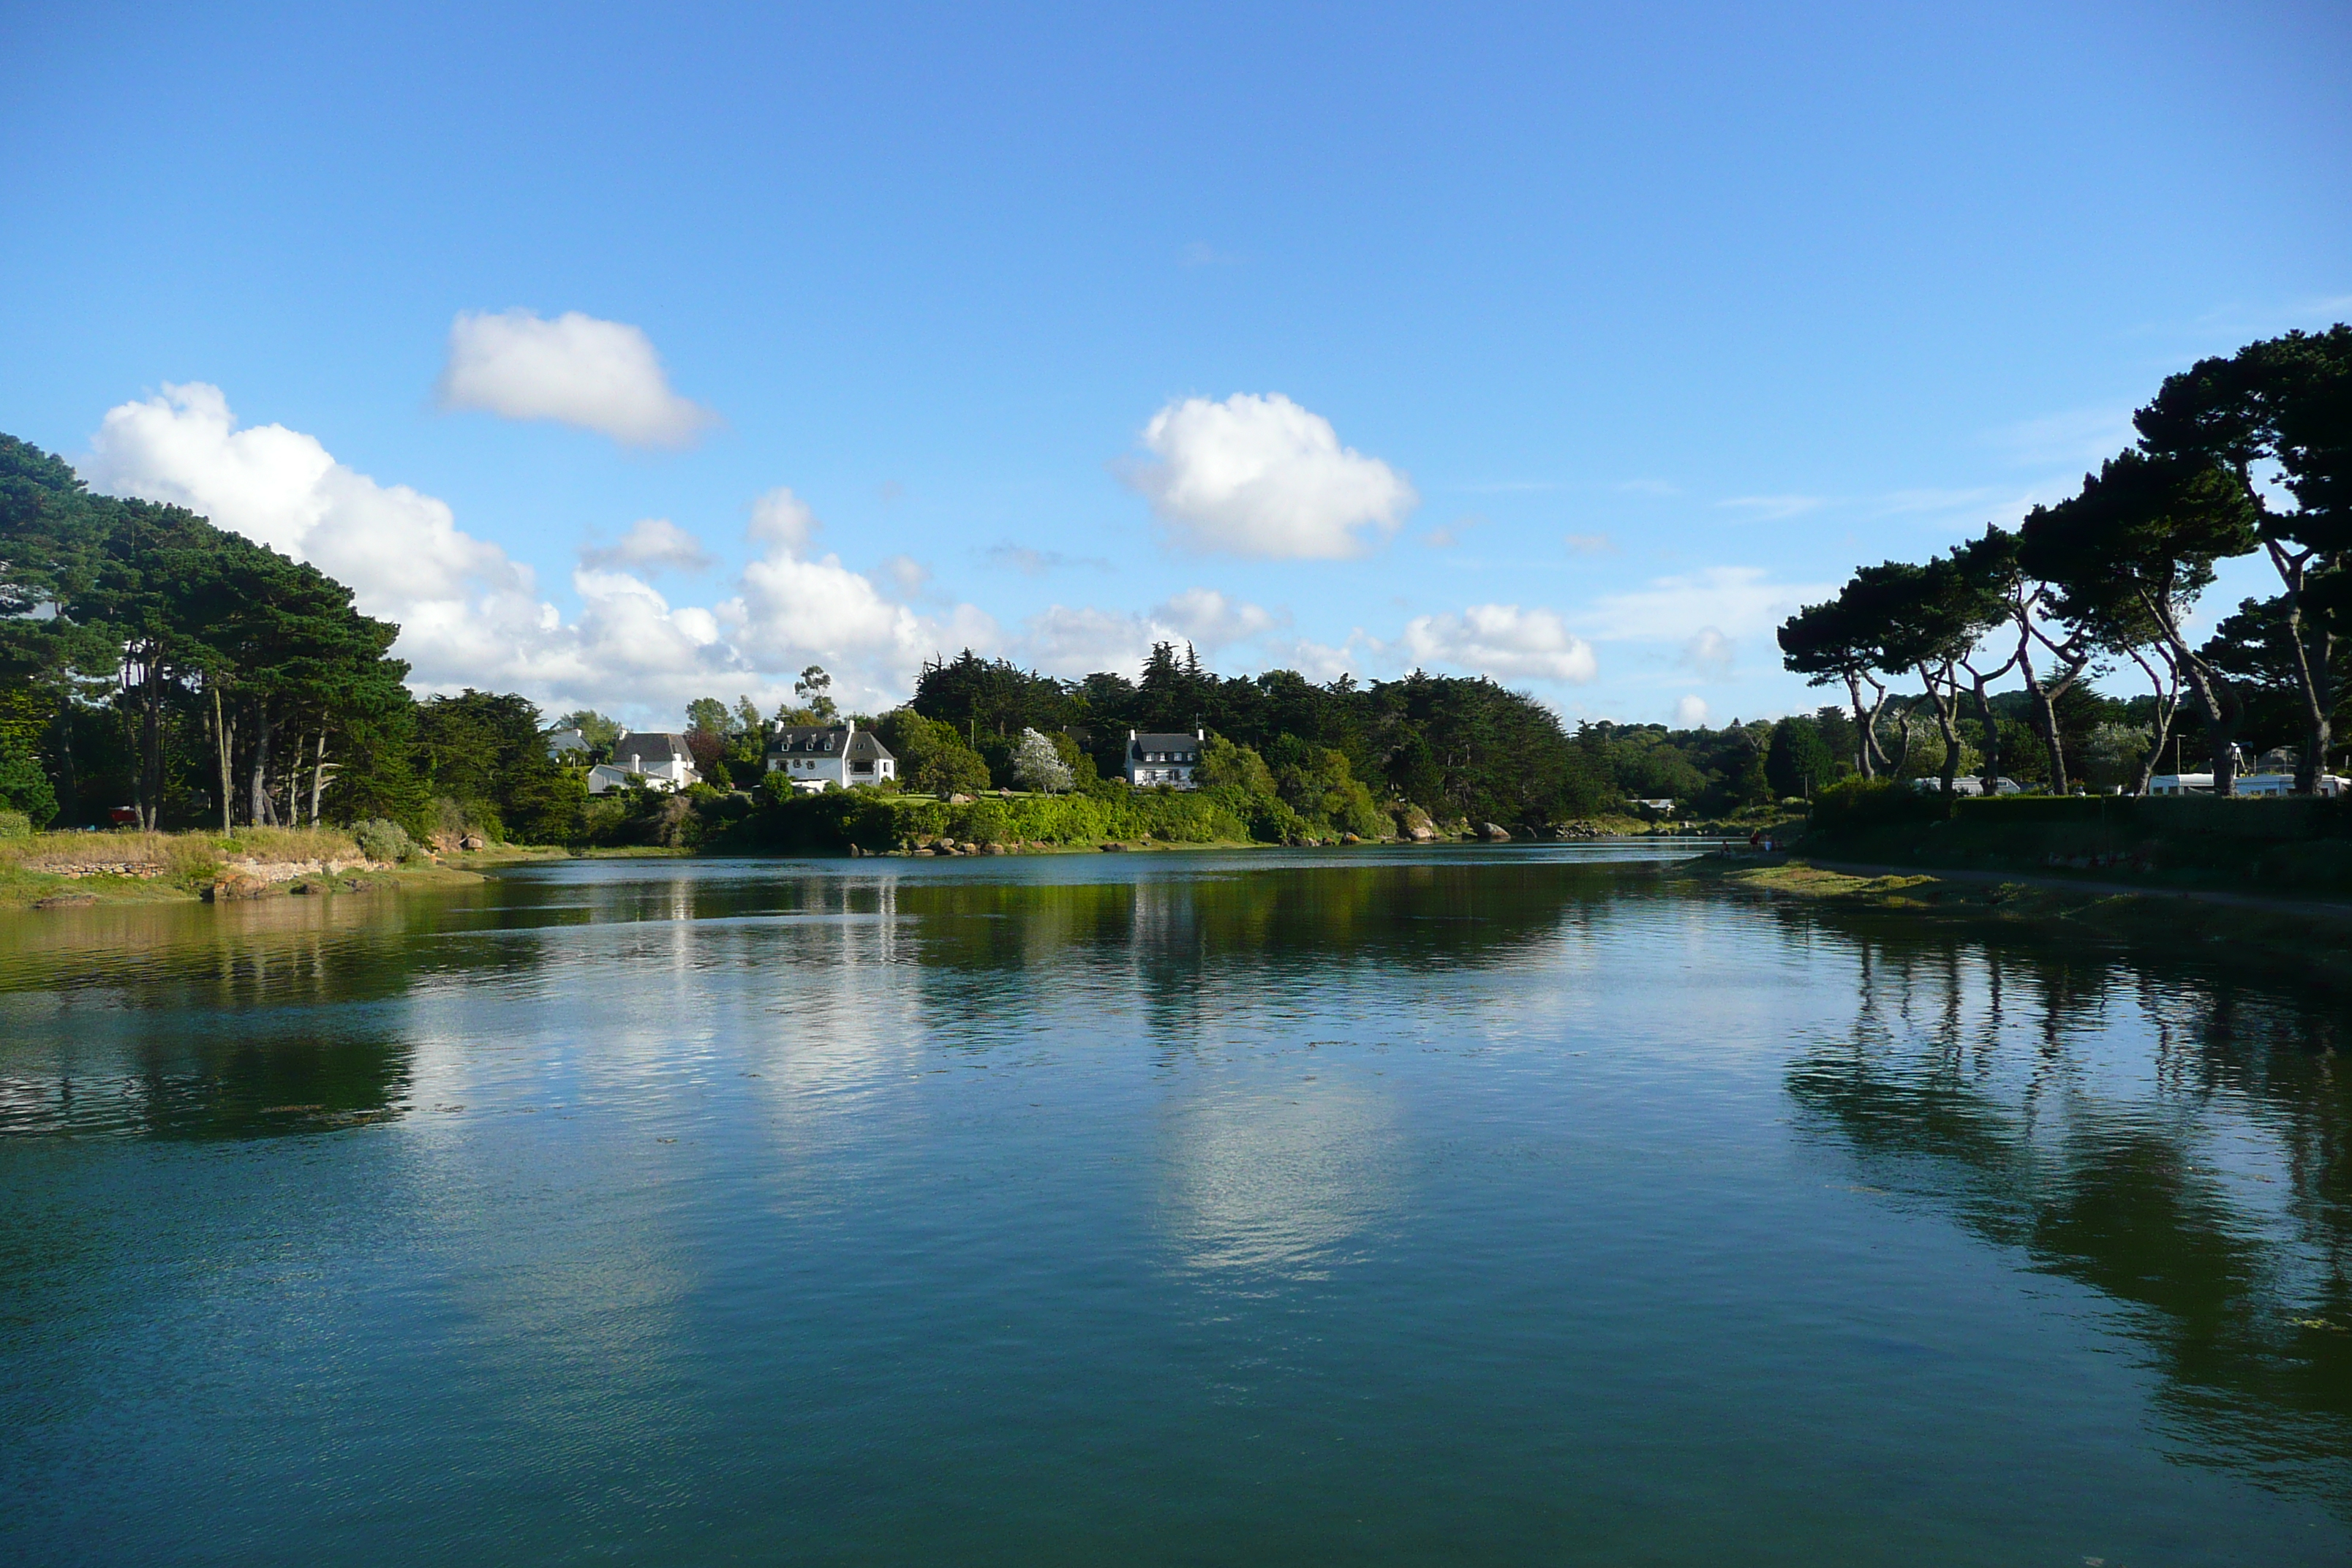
<point x="1991" y="775"/>
<point x="318" y="777"/>
<point x="2045" y="706"/>
<point x="259" y="797"/>
<point x="2210" y="692"/>
<point x="2314" y="678"/>
<point x="1862" y="746"/>
<point x="2168" y="705"/>
<point x="221" y="742"/>
<point x="1944" y="725"/>
<point x="61" y="749"/>
<point x="151" y="767"/>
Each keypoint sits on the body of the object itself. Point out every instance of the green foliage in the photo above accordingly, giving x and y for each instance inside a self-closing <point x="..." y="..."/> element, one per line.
<point x="1860" y="804"/>
<point x="16" y="825"/>
<point x="933" y="756"/>
<point x="482" y="752"/>
<point x="1799" y="761"/>
<point x="380" y="839"/>
<point x="24" y="788"/>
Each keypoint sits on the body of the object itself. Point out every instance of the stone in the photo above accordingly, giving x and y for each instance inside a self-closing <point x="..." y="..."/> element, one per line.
<point x="236" y="884"/>
<point x="473" y="841"/>
<point x="65" y="901"/>
<point x="1494" y="833"/>
<point x="959" y="798"/>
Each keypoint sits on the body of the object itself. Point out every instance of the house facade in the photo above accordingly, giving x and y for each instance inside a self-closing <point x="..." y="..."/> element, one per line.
<point x="1166" y="758"/>
<point x="652" y="759"/>
<point x="813" y="756"/>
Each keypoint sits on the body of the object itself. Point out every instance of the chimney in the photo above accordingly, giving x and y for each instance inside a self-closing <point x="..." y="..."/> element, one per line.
<point x="1201" y="735"/>
<point x="1130" y="734"/>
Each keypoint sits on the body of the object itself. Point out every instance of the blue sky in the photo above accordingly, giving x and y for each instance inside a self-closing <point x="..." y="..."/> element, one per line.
<point x="1572" y="346"/>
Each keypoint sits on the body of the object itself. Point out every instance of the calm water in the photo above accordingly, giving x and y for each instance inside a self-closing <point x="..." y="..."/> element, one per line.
<point x="1509" y="1206"/>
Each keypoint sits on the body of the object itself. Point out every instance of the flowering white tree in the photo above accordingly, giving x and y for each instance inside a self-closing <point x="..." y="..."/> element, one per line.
<point x="1037" y="765"/>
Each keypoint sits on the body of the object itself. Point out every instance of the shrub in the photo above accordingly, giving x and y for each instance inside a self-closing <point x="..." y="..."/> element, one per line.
<point x="381" y="840"/>
<point x="16" y="825"/>
<point x="1875" y="803"/>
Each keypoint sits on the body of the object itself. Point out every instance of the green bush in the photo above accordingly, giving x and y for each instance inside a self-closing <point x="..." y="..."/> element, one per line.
<point x="16" y="825"/>
<point x="1858" y="804"/>
<point x="381" y="840"/>
<point x="24" y="786"/>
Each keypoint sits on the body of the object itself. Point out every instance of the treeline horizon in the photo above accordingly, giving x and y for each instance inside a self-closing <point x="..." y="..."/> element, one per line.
<point x="2108" y="578"/>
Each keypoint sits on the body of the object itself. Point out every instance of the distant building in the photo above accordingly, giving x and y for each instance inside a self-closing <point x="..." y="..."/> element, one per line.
<point x="652" y="759"/>
<point x="568" y="746"/>
<point x="1169" y="760"/>
<point x="816" y="755"/>
<point x="2250" y="787"/>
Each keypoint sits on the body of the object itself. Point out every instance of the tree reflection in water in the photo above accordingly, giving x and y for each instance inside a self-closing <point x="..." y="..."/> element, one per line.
<point x="2177" y="1142"/>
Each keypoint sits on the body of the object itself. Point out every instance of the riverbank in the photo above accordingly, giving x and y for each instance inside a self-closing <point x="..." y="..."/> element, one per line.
<point x="2308" y="940"/>
<point x="53" y="870"/>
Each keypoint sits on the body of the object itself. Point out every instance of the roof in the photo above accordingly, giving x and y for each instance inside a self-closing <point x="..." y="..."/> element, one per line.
<point x="1165" y="744"/>
<point x="566" y="741"/>
<point x="827" y="741"/>
<point x="652" y="746"/>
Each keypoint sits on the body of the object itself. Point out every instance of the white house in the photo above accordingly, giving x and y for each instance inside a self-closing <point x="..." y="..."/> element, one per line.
<point x="654" y="760"/>
<point x="1163" y="759"/>
<point x="841" y="755"/>
<point x="567" y="746"/>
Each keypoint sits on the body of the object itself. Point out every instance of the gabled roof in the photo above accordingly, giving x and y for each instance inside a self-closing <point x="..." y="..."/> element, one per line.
<point x="652" y="747"/>
<point x="826" y="740"/>
<point x="1142" y="743"/>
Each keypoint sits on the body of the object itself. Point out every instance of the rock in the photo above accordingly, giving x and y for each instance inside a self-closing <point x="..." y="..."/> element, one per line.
<point x="65" y="901"/>
<point x="856" y="853"/>
<point x="473" y="841"/>
<point x="1108" y="847"/>
<point x="925" y="849"/>
<point x="992" y="849"/>
<point x="1352" y="839"/>
<point x="959" y="798"/>
<point x="235" y="885"/>
<point x="1494" y="833"/>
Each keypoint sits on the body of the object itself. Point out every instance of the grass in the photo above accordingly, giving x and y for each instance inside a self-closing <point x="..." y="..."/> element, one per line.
<point x="2302" y="943"/>
<point x="127" y="865"/>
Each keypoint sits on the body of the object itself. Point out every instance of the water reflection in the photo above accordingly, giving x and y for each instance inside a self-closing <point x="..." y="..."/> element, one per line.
<point x="2174" y="1140"/>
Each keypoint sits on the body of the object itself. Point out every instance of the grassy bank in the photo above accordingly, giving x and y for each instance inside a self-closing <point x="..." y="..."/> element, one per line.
<point x="2289" y="847"/>
<point x="2285" y="940"/>
<point x="141" y="867"/>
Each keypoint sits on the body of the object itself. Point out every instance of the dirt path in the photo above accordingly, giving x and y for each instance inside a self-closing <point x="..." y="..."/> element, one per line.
<point x="2319" y="909"/>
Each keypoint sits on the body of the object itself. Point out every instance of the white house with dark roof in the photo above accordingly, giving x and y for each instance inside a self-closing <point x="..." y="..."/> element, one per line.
<point x="816" y="755"/>
<point x="1154" y="760"/>
<point x="651" y="758"/>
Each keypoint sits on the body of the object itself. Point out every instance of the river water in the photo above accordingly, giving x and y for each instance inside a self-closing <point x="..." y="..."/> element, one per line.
<point x="1514" y="1205"/>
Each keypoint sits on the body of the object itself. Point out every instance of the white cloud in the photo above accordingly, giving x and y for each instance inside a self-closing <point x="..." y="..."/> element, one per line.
<point x="1732" y="601"/>
<point x="469" y="615"/>
<point x="907" y="574"/>
<point x="1771" y="508"/>
<point x="1038" y="562"/>
<point x="392" y="546"/>
<point x="1260" y="475"/>
<point x="576" y="370"/>
<point x="1073" y="641"/>
<point x="1590" y="544"/>
<point x="1691" y="713"/>
<point x="651" y="543"/>
<point x="1709" y="654"/>
<point x="782" y="520"/>
<point x="1448" y="535"/>
<point x="1501" y="640"/>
